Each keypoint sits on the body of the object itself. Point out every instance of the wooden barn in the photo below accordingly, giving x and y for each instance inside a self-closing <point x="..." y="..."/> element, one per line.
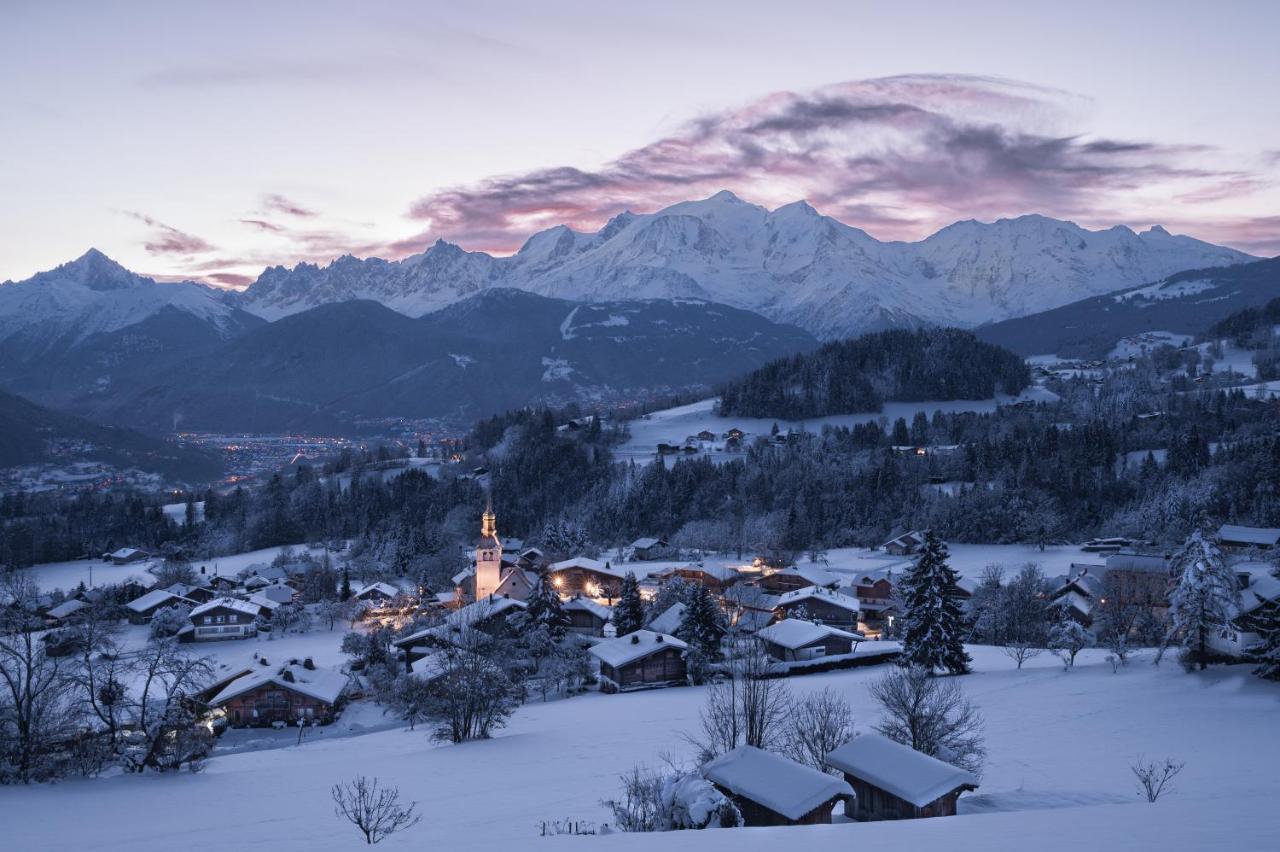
<point x="771" y="790"/>
<point x="825" y="607"/>
<point x="643" y="549"/>
<point x="795" y="640"/>
<point x="291" y="694"/>
<point x="640" y="660"/>
<point x="906" y="544"/>
<point x="141" y="609"/>
<point x="126" y="556"/>
<point x="893" y="781"/>
<point x="586" y="616"/>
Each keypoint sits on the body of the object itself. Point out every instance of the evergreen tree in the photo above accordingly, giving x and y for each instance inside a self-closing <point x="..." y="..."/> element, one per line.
<point x="628" y="615"/>
<point x="933" y="622"/>
<point x="1206" y="599"/>
<point x="345" y="593"/>
<point x="545" y="610"/>
<point x="702" y="624"/>
<point x="1269" y="656"/>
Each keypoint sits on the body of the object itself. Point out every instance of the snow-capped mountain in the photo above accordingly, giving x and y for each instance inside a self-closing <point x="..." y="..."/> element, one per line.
<point x="95" y="295"/>
<point x="792" y="265"/>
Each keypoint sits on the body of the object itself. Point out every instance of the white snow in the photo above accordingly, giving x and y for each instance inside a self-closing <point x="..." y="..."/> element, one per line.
<point x="781" y="785"/>
<point x="627" y="649"/>
<point x="899" y="769"/>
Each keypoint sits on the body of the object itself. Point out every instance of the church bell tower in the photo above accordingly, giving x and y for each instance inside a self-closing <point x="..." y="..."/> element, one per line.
<point x="488" y="568"/>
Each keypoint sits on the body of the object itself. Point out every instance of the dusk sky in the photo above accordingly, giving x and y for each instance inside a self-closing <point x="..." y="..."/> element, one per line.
<point x="208" y="140"/>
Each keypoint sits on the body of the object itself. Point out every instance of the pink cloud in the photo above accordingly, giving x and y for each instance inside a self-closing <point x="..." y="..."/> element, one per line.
<point x="166" y="239"/>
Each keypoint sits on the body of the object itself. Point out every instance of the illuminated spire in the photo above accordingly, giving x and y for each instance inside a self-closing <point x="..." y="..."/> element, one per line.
<point x="489" y="521"/>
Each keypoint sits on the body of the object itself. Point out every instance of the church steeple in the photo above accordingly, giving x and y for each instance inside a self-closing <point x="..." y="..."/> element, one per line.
<point x="488" y="565"/>
<point x="488" y="521"/>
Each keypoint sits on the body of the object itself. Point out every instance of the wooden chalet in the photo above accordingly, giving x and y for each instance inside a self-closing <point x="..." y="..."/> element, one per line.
<point x="893" y="781"/>
<point x="640" y="660"/>
<point x="376" y="593"/>
<point x="794" y="640"/>
<point x="590" y="578"/>
<point x="293" y="694"/>
<point x="822" y="606"/>
<point x="586" y="616"/>
<point x="141" y="609"/>
<point x="1234" y="538"/>
<point x="126" y="556"/>
<point x="224" y="618"/>
<point x="717" y="578"/>
<point x="489" y="616"/>
<point x="644" y="549"/>
<point x="769" y="789"/>
<point x="798" y="577"/>
<point x="907" y="544"/>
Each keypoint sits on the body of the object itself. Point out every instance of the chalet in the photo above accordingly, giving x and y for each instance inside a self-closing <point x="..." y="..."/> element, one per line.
<point x="141" y="609"/>
<point x="291" y="694"/>
<point x="1232" y="537"/>
<point x="1139" y="578"/>
<point x="893" y="781"/>
<point x="277" y="593"/>
<point x="1077" y="594"/>
<point x="261" y="574"/>
<point x="488" y="616"/>
<point x="749" y="607"/>
<point x="222" y="583"/>
<point x="586" y="616"/>
<point x="874" y="591"/>
<point x="584" y="576"/>
<point x="822" y="606"/>
<point x="706" y="435"/>
<point x="715" y="577"/>
<point x="640" y="660"/>
<point x="907" y="544"/>
<point x="735" y="434"/>
<point x="1106" y="545"/>
<point x="67" y="612"/>
<point x="769" y="789"/>
<point x="795" y="640"/>
<point x="126" y="556"/>
<point x="376" y="593"/>
<point x="644" y="549"/>
<point x="224" y="618"/>
<point x="199" y="594"/>
<point x="798" y="577"/>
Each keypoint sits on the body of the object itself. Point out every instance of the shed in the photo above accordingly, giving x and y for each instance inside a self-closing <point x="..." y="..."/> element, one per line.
<point x="893" y="781"/>
<point x="771" y="790"/>
<point x="640" y="660"/>
<point x="126" y="556"/>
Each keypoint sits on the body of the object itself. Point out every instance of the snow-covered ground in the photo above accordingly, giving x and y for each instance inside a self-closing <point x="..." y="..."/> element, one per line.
<point x="177" y="512"/>
<point x="673" y="425"/>
<point x="1057" y="777"/>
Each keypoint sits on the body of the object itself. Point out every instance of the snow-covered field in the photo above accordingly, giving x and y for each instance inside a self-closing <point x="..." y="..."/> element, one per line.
<point x="1057" y="776"/>
<point x="673" y="425"/>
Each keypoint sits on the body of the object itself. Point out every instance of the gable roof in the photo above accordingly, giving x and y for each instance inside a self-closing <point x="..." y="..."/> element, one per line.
<point x="645" y="543"/>
<point x="321" y="684"/>
<point x="1260" y="536"/>
<point x="811" y="573"/>
<point x="467" y="616"/>
<point x="386" y="588"/>
<point x="907" y="538"/>
<point x="599" y="610"/>
<point x="246" y="607"/>
<point x="586" y="563"/>
<point x="781" y="785"/>
<point x="68" y="607"/>
<point x="899" y="770"/>
<point x="634" y="646"/>
<point x="720" y="572"/>
<point x="818" y="593"/>
<point x="795" y="633"/>
<point x="155" y="597"/>
<point x="669" y="620"/>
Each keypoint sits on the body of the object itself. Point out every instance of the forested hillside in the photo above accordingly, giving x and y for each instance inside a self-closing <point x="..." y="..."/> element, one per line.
<point x="863" y="373"/>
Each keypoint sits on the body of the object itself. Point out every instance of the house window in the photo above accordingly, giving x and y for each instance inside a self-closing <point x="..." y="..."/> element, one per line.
<point x="220" y="619"/>
<point x="208" y="619"/>
<point x="232" y="619"/>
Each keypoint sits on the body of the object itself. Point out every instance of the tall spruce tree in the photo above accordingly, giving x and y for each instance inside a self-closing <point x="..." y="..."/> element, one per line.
<point x="701" y="625"/>
<point x="628" y="615"/>
<point x="545" y="610"/>
<point x="934" y="628"/>
<point x="1206" y="599"/>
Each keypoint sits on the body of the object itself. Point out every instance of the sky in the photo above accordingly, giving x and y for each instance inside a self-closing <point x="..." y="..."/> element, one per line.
<point x="210" y="140"/>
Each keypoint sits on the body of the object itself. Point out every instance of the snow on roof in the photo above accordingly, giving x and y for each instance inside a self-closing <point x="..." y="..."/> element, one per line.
<point x="246" y="607"/>
<point x="645" y="543"/>
<point x="670" y="619"/>
<point x="155" y="597"/>
<point x="1261" y="536"/>
<point x="813" y="574"/>
<point x="1148" y="562"/>
<point x="265" y="601"/>
<point x="818" y="593"/>
<point x="599" y="610"/>
<point x="125" y="552"/>
<point x="321" y="684"/>
<point x="386" y="588"/>
<point x="467" y="616"/>
<point x="66" y="608"/>
<point x="586" y="563"/>
<point x="1074" y="600"/>
<point x="634" y="646"/>
<point x="720" y="572"/>
<point x="464" y="575"/>
<point x="795" y="633"/>
<point x="145" y="580"/>
<point x="913" y="537"/>
<point x="781" y="785"/>
<point x="899" y="770"/>
<point x="1265" y="586"/>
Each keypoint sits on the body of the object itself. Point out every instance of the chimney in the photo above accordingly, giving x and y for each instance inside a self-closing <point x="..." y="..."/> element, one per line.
<point x="659" y="638"/>
<point x="635" y="639"/>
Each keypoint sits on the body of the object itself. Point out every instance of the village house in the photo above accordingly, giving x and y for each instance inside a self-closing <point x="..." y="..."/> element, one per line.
<point x="126" y="556"/>
<point x="141" y="609"/>
<point x="67" y="612"/>
<point x="797" y="577"/>
<point x="644" y="549"/>
<point x="224" y="618"/>
<point x="714" y="577"/>
<point x="640" y="660"/>
<point x="820" y="605"/>
<point x="893" y="781"/>
<point x="1139" y="578"/>
<point x="769" y="789"/>
<point x="591" y="578"/>
<point x="1259" y="605"/>
<point x="669" y="620"/>
<point x="1235" y="538"/>
<point x="1077" y="594"/>
<point x="749" y="607"/>
<point x="586" y="616"/>
<point x="907" y="544"/>
<point x="376" y="593"/>
<point x="293" y="693"/>
<point x="489" y="616"/>
<point x="795" y="640"/>
<point x="199" y="594"/>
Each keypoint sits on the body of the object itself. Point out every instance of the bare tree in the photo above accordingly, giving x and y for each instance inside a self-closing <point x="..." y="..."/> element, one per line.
<point x="160" y="711"/>
<point x="1154" y="778"/>
<point x="474" y="694"/>
<point x="1021" y="650"/>
<point x="818" y="725"/>
<point x="931" y="715"/>
<point x="749" y="707"/>
<point x="641" y="807"/>
<point x="375" y="811"/>
<point x="35" y="698"/>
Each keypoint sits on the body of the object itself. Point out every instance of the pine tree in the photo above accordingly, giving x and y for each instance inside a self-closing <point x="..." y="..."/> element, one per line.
<point x="628" y="615"/>
<point x="1206" y="599"/>
<point x="701" y="625"/>
<point x="1269" y="656"/>
<point x="345" y="593"/>
<point x="545" y="610"/>
<point x="933" y="629"/>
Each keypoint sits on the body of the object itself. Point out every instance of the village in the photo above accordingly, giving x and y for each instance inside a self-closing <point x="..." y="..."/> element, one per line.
<point x="635" y="620"/>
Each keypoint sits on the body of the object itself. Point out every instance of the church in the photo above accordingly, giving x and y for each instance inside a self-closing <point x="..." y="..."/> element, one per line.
<point x="496" y="572"/>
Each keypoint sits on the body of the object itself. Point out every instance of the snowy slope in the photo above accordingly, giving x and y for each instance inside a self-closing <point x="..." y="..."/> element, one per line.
<point x="792" y="264"/>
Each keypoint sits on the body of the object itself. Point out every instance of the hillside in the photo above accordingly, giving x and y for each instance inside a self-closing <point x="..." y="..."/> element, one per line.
<point x="793" y="265"/>
<point x="1186" y="303"/>
<point x="862" y="374"/>
<point x="31" y="434"/>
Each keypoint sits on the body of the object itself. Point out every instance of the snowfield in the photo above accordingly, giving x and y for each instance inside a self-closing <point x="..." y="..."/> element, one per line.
<point x="1057" y="776"/>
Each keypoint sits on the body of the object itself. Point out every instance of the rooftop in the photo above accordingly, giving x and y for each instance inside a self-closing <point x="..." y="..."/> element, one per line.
<point x="899" y="770"/>
<point x="781" y="785"/>
<point x="634" y="646"/>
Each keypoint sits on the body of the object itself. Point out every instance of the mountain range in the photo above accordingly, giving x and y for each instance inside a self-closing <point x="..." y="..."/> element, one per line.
<point x="792" y="265"/>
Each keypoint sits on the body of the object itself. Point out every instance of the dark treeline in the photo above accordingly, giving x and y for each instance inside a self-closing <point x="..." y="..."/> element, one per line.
<point x="861" y="374"/>
<point x="1249" y="328"/>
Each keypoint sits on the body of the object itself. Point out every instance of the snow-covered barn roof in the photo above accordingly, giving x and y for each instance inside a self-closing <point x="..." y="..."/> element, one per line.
<point x="669" y="620"/>
<point x="599" y="610"/>
<point x="899" y="770"/>
<point x="646" y="543"/>
<point x="720" y="572"/>
<point x="813" y="574"/>
<point x="156" y="597"/>
<point x="781" y="785"/>
<point x="795" y="633"/>
<point x="818" y="593"/>
<point x="1257" y="536"/>
<point x="634" y="646"/>
<point x="321" y="684"/>
<point x="586" y="563"/>
<point x="66" y="608"/>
